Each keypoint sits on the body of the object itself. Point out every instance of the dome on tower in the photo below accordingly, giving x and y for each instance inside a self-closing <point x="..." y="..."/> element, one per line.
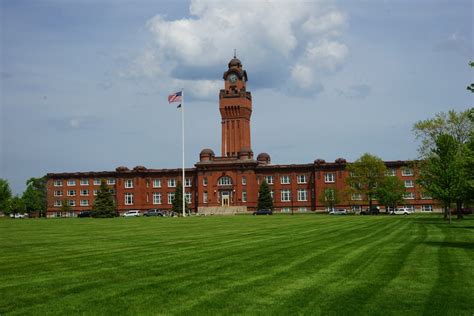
<point x="206" y="154"/>
<point x="235" y="62"/>
<point x="263" y="158"/>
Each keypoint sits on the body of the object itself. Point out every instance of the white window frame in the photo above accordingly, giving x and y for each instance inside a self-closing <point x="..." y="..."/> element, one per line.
<point x="72" y="202"/>
<point x="426" y="196"/>
<point x="128" y="198"/>
<point x="301" y="179"/>
<point x="224" y="181"/>
<point x="302" y="209"/>
<point x="427" y="208"/>
<point x="157" y="198"/>
<point x="172" y="183"/>
<point x="58" y="193"/>
<point x="170" y="197"/>
<point x="285" y="210"/>
<point x="128" y="183"/>
<point x="84" y="182"/>
<point x="356" y="197"/>
<point x="272" y="194"/>
<point x="71" y="192"/>
<point x="58" y="183"/>
<point x="285" y="195"/>
<point x="244" y="196"/>
<point x="188" y="196"/>
<point x="204" y="197"/>
<point x="329" y="177"/>
<point x="407" y="172"/>
<point x="204" y="181"/>
<point x="269" y="179"/>
<point x="391" y="172"/>
<point x="285" y="179"/>
<point x="84" y="203"/>
<point x="302" y="195"/>
<point x="111" y="181"/>
<point x="95" y="192"/>
<point x="97" y="181"/>
<point x="409" y="196"/>
<point x="71" y="183"/>
<point x="58" y="203"/>
<point x="409" y="184"/>
<point x="244" y="180"/>
<point x="157" y="183"/>
<point x="84" y="193"/>
<point x="187" y="182"/>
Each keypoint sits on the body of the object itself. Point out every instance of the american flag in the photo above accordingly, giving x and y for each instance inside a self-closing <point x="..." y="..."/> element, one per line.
<point x="175" y="97"/>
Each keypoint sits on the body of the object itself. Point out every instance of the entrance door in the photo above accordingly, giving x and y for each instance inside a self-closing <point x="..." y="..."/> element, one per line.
<point x="225" y="198"/>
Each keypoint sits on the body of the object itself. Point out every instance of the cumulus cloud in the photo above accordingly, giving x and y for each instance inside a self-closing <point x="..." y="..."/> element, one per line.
<point x="285" y="43"/>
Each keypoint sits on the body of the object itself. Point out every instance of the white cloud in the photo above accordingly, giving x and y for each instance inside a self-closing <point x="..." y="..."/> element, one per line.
<point x="293" y="40"/>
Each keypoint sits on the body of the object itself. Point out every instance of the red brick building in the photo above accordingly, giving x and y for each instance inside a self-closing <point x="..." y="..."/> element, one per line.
<point x="227" y="182"/>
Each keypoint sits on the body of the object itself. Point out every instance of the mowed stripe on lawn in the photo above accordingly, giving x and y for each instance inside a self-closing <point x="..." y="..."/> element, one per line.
<point x="239" y="265"/>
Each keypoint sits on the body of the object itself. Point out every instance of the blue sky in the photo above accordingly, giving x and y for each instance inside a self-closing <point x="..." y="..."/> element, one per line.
<point x="84" y="83"/>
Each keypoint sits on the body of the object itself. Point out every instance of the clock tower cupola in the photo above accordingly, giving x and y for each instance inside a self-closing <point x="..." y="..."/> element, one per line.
<point x="235" y="106"/>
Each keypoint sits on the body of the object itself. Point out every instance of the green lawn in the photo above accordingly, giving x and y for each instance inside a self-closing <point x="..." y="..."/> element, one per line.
<point x="282" y="264"/>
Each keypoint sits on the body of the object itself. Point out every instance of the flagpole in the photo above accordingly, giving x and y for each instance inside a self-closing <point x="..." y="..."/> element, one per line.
<point x="182" y="133"/>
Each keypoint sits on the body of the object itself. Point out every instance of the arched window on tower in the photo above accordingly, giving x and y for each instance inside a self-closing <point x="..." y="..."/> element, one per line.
<point x="224" y="181"/>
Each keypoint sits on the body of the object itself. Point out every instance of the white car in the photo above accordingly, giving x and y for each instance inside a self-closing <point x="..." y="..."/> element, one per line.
<point x="340" y="211"/>
<point x="133" y="213"/>
<point x="401" y="211"/>
<point x="17" y="215"/>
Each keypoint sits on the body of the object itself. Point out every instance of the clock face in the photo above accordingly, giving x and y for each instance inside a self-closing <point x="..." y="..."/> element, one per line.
<point x="233" y="78"/>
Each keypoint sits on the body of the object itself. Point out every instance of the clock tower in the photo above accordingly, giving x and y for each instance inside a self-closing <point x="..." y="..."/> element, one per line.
<point x="235" y="106"/>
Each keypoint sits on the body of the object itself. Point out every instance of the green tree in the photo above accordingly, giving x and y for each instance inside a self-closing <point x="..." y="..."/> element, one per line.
<point x="265" y="200"/>
<point x="365" y="174"/>
<point x="177" y="205"/>
<point x="104" y="204"/>
<point x="442" y="173"/>
<point x="17" y="206"/>
<point x="330" y="198"/>
<point x="471" y="86"/>
<point x="35" y="195"/>
<point x="5" y="196"/>
<point x="390" y="192"/>
<point x="65" y="207"/>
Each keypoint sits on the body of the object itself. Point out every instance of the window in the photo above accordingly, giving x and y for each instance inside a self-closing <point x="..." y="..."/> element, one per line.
<point x="95" y="192"/>
<point x="204" y="197"/>
<point x="58" y="193"/>
<point x="187" y="196"/>
<point x="302" y="209"/>
<point x="84" y="192"/>
<point x="170" y="197"/>
<point x="204" y="181"/>
<point x="71" y="182"/>
<point x="426" y="196"/>
<point x="244" y="180"/>
<point x="301" y="178"/>
<point x="269" y="179"/>
<point x="128" y="198"/>
<point x="128" y="183"/>
<point x="225" y="181"/>
<point x="427" y="208"/>
<point x="111" y="191"/>
<point x="391" y="172"/>
<point x="356" y="208"/>
<point x="302" y="195"/>
<point x="285" y="210"/>
<point x="330" y="178"/>
<point x="58" y="203"/>
<point x="244" y="196"/>
<point x="171" y="183"/>
<point x="84" y="181"/>
<point x="409" y="196"/>
<point x="356" y="197"/>
<point x="157" y="198"/>
<point x="407" y="172"/>
<point x="97" y="181"/>
<point x="285" y="179"/>
<point x="72" y="203"/>
<point x="411" y="208"/>
<point x="71" y="193"/>
<point x="285" y="196"/>
<point x="111" y="181"/>
<point x="272" y="193"/>
<point x="187" y="182"/>
<point x="409" y="183"/>
<point x="58" y="183"/>
<point x="84" y="203"/>
<point x="157" y="183"/>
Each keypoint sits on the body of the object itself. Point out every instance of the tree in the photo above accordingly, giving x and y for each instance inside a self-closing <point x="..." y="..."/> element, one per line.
<point x="35" y="195"/>
<point x="330" y="198"/>
<point x="390" y="192"/>
<point x="442" y="174"/>
<point x="458" y="125"/>
<point x="104" y="204"/>
<point x="365" y="174"/>
<point x="17" y="205"/>
<point x="65" y="207"/>
<point x="178" y="200"/>
<point x="265" y="200"/>
<point x="5" y="196"/>
<point x="471" y="86"/>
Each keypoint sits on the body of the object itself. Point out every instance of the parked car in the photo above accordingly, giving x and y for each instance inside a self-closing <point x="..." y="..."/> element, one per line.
<point x="18" y="215"/>
<point x="132" y="213"/>
<point x="400" y="211"/>
<point x="372" y="211"/>
<point x="340" y="211"/>
<point x="153" y="212"/>
<point x="263" y="212"/>
<point x="85" y="214"/>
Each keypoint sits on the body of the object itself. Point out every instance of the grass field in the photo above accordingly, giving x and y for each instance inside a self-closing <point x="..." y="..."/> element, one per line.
<point x="304" y="264"/>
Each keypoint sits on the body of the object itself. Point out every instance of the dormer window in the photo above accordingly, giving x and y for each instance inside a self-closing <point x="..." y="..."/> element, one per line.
<point x="224" y="181"/>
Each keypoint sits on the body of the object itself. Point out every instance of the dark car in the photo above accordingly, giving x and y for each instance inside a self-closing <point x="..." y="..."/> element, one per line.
<point x="372" y="211"/>
<point x="153" y="212"/>
<point x="263" y="212"/>
<point x="85" y="214"/>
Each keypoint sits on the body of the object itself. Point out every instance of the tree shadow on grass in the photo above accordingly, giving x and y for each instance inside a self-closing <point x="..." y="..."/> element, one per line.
<point x="450" y="244"/>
